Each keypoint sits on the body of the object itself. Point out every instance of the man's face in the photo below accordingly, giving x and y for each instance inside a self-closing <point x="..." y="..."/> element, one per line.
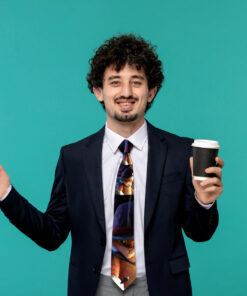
<point x="125" y="93"/>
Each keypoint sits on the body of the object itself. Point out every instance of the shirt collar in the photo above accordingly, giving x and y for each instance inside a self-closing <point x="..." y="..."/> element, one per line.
<point x="137" y="139"/>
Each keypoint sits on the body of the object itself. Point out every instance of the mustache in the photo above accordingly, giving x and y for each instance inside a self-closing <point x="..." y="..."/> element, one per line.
<point x="125" y="98"/>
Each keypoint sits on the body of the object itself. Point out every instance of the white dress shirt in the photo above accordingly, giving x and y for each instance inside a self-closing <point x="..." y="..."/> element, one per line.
<point x="111" y="159"/>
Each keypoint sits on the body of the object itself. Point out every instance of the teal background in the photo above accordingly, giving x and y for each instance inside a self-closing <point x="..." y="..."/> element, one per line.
<point x="45" y="103"/>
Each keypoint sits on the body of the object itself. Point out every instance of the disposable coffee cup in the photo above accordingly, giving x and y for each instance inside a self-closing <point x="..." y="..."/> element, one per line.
<point x="204" y="153"/>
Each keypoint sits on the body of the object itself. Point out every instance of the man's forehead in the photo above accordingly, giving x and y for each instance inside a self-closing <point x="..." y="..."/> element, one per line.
<point x="126" y="69"/>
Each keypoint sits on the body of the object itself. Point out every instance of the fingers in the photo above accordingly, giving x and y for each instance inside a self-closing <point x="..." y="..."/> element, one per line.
<point x="220" y="161"/>
<point x="213" y="189"/>
<point x="191" y="164"/>
<point x="214" y="170"/>
<point x="2" y="169"/>
<point x="211" y="181"/>
<point x="213" y="185"/>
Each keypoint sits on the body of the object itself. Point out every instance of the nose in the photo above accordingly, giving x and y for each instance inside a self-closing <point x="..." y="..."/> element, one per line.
<point x="126" y="90"/>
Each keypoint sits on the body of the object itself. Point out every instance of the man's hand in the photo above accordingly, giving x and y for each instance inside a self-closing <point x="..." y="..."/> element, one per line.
<point x="209" y="190"/>
<point x="4" y="182"/>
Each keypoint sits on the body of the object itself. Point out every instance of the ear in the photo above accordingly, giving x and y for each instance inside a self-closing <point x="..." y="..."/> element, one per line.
<point x="151" y="93"/>
<point x="98" y="93"/>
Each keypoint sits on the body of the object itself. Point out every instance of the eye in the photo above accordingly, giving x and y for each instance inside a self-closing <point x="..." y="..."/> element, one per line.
<point x="136" y="82"/>
<point x="115" y="82"/>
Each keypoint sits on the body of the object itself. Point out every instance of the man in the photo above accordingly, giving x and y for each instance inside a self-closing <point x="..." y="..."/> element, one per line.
<point x="125" y="192"/>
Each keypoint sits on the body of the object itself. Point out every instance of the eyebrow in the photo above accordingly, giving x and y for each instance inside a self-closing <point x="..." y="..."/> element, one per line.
<point x="113" y="77"/>
<point x="118" y="76"/>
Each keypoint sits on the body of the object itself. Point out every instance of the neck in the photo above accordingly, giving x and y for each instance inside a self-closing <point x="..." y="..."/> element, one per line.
<point x="125" y="129"/>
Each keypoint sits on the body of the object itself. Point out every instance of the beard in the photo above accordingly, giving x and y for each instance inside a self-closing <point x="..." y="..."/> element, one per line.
<point x="126" y="117"/>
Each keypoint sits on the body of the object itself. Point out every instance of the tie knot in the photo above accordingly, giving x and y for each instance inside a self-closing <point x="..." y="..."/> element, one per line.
<point x="125" y="147"/>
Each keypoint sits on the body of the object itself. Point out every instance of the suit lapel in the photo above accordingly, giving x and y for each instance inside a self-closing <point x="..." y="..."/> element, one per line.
<point x="157" y="152"/>
<point x="93" y="164"/>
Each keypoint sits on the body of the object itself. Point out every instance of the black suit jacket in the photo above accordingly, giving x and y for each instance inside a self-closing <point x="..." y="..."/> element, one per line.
<point x="77" y="205"/>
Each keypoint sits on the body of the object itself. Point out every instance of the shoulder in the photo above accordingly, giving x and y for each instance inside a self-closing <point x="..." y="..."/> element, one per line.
<point x="83" y="143"/>
<point x="173" y="141"/>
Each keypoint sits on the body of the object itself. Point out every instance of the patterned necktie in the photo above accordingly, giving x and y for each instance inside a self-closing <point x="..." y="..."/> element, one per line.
<point x="123" y="267"/>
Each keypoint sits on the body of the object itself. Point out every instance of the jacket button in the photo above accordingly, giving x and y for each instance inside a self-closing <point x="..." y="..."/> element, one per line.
<point x="102" y="242"/>
<point x="96" y="269"/>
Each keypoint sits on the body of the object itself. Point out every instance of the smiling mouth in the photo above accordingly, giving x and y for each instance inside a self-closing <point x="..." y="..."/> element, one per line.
<point x="126" y="105"/>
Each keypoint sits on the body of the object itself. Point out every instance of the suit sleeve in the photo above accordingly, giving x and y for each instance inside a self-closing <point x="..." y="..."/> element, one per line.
<point x="198" y="223"/>
<point x="49" y="229"/>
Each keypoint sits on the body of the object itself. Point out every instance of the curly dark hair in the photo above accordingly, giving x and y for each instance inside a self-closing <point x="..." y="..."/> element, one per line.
<point x="122" y="49"/>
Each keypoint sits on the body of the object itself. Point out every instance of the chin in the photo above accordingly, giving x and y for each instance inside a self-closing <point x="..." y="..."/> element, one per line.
<point x="125" y="117"/>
